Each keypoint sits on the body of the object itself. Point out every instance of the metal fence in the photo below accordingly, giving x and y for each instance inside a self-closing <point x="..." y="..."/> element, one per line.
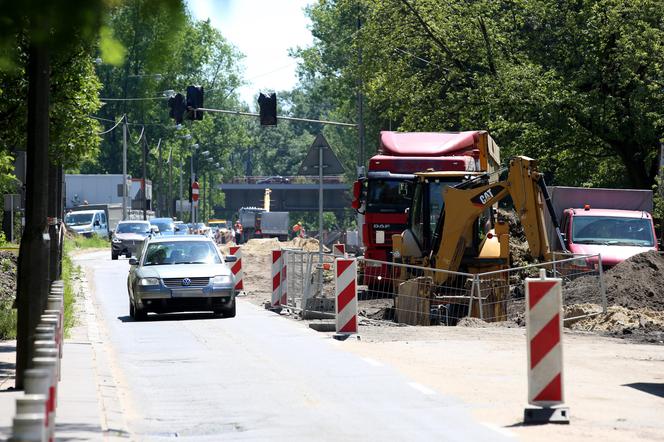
<point x="309" y="283"/>
<point x="423" y="296"/>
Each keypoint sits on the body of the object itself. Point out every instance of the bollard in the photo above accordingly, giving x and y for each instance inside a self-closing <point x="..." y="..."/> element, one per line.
<point x="49" y="353"/>
<point x="37" y="382"/>
<point x="236" y="268"/>
<point x="50" y="365"/>
<point x="33" y="404"/>
<point x="544" y="326"/>
<point x="345" y="289"/>
<point x="28" y="428"/>
<point x="276" y="279"/>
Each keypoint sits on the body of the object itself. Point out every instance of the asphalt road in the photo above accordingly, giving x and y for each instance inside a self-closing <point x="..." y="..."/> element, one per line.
<point x="258" y="376"/>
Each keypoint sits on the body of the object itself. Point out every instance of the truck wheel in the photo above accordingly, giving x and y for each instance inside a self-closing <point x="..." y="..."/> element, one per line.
<point x="114" y="256"/>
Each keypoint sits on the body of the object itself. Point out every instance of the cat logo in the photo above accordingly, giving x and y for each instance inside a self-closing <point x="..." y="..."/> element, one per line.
<point x="486" y="196"/>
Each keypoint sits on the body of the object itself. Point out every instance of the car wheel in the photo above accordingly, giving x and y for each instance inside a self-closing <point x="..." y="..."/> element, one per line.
<point x="229" y="312"/>
<point x="140" y="314"/>
<point x="114" y="256"/>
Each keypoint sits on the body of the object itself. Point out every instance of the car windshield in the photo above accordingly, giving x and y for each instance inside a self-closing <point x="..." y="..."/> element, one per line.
<point x="388" y="196"/>
<point x="164" y="226"/>
<point x="78" y="219"/>
<point x="133" y="228"/>
<point x="608" y="230"/>
<point x="181" y="252"/>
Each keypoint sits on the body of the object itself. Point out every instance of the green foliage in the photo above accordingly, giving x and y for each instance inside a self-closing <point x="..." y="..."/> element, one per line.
<point x="81" y="242"/>
<point x="69" y="272"/>
<point x="8" y="320"/>
<point x="576" y="84"/>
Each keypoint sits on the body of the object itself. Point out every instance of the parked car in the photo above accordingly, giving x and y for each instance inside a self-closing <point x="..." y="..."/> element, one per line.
<point x="87" y="223"/>
<point x="128" y="238"/>
<point x="176" y="274"/>
<point x="166" y="226"/>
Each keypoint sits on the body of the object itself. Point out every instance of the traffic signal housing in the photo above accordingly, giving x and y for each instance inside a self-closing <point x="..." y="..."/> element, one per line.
<point x="268" y="109"/>
<point x="195" y="98"/>
<point x="178" y="106"/>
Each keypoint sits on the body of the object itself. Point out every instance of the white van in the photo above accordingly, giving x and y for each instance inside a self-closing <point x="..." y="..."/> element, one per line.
<point x="88" y="222"/>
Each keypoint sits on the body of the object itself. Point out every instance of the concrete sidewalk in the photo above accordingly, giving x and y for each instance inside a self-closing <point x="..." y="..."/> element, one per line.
<point x="78" y="415"/>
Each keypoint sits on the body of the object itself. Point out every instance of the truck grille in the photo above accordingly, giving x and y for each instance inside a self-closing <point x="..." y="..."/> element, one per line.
<point x="176" y="283"/>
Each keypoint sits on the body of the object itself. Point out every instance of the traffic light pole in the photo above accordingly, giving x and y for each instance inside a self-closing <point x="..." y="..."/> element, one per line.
<point x="252" y="114"/>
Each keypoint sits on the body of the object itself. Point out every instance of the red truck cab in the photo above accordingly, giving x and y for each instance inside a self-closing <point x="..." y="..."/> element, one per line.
<point x="614" y="234"/>
<point x="386" y="192"/>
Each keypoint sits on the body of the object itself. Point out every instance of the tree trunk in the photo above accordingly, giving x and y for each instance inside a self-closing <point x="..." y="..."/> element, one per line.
<point x="33" y="263"/>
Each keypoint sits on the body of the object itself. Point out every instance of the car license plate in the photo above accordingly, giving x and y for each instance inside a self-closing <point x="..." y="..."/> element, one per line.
<point x="186" y="293"/>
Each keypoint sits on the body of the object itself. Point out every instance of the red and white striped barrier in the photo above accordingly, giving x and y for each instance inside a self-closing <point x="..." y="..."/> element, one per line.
<point x="236" y="268"/>
<point x="544" y="325"/>
<point x="284" y="278"/>
<point x="276" y="278"/>
<point x="339" y="250"/>
<point x="345" y="289"/>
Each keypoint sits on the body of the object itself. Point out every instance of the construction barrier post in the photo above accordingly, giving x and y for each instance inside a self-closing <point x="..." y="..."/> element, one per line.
<point x="339" y="250"/>
<point x="236" y="268"/>
<point x="345" y="289"/>
<point x="276" y="279"/>
<point x="284" y="278"/>
<point x="544" y="325"/>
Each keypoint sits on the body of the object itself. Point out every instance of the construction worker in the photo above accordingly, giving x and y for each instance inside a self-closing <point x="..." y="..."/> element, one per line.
<point x="238" y="232"/>
<point x="296" y="230"/>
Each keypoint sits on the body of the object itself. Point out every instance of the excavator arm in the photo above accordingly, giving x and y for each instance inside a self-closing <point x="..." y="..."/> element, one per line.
<point x="463" y="206"/>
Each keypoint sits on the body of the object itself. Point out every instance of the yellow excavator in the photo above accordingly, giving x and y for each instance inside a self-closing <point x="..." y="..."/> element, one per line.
<point x="452" y="227"/>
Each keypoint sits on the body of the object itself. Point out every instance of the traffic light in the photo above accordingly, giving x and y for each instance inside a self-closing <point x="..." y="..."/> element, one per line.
<point x="268" y="109"/>
<point x="177" y="105"/>
<point x="194" y="101"/>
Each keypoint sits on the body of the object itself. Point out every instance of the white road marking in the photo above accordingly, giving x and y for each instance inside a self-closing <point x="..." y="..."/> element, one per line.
<point x="373" y="362"/>
<point x="500" y="430"/>
<point x="421" y="388"/>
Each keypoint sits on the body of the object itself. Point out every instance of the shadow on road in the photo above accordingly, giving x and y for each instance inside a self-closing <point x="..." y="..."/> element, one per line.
<point x="172" y="317"/>
<point x="655" y="389"/>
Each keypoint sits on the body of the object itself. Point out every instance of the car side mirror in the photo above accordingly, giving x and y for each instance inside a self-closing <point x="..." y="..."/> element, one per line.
<point x="230" y="258"/>
<point x="133" y="261"/>
<point x="96" y="223"/>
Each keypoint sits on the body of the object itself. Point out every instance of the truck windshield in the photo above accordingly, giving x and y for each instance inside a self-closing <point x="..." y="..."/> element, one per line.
<point x="389" y="195"/>
<point x="608" y="230"/>
<point x="78" y="219"/>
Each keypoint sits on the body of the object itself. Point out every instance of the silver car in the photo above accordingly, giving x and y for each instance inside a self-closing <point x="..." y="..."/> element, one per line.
<point x="180" y="273"/>
<point x="128" y="238"/>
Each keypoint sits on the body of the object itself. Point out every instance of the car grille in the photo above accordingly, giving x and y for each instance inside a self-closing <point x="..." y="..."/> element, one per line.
<point x="176" y="283"/>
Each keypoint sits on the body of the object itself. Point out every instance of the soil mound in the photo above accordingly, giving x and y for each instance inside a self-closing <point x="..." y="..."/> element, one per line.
<point x="637" y="282"/>
<point x="642" y="324"/>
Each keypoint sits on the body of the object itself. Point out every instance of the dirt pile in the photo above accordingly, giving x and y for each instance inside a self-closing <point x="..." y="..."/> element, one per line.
<point x="8" y="262"/>
<point x="637" y="282"/>
<point x="642" y="324"/>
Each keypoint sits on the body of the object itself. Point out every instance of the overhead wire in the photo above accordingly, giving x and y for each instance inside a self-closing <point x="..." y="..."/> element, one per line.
<point x="116" y="125"/>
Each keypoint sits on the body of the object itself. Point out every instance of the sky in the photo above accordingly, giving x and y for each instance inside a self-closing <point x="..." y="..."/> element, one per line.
<point x="263" y="30"/>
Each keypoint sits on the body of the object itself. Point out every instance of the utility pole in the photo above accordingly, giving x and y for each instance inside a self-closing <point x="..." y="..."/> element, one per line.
<point x="124" y="169"/>
<point x="191" y="200"/>
<point x="170" y="183"/>
<point x="160" y="195"/>
<point x="181" y="167"/>
<point x="33" y="259"/>
<point x="145" y="178"/>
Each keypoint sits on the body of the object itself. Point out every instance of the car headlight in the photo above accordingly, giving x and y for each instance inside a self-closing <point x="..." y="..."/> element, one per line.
<point x="148" y="281"/>
<point x="222" y="280"/>
<point x="116" y="240"/>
